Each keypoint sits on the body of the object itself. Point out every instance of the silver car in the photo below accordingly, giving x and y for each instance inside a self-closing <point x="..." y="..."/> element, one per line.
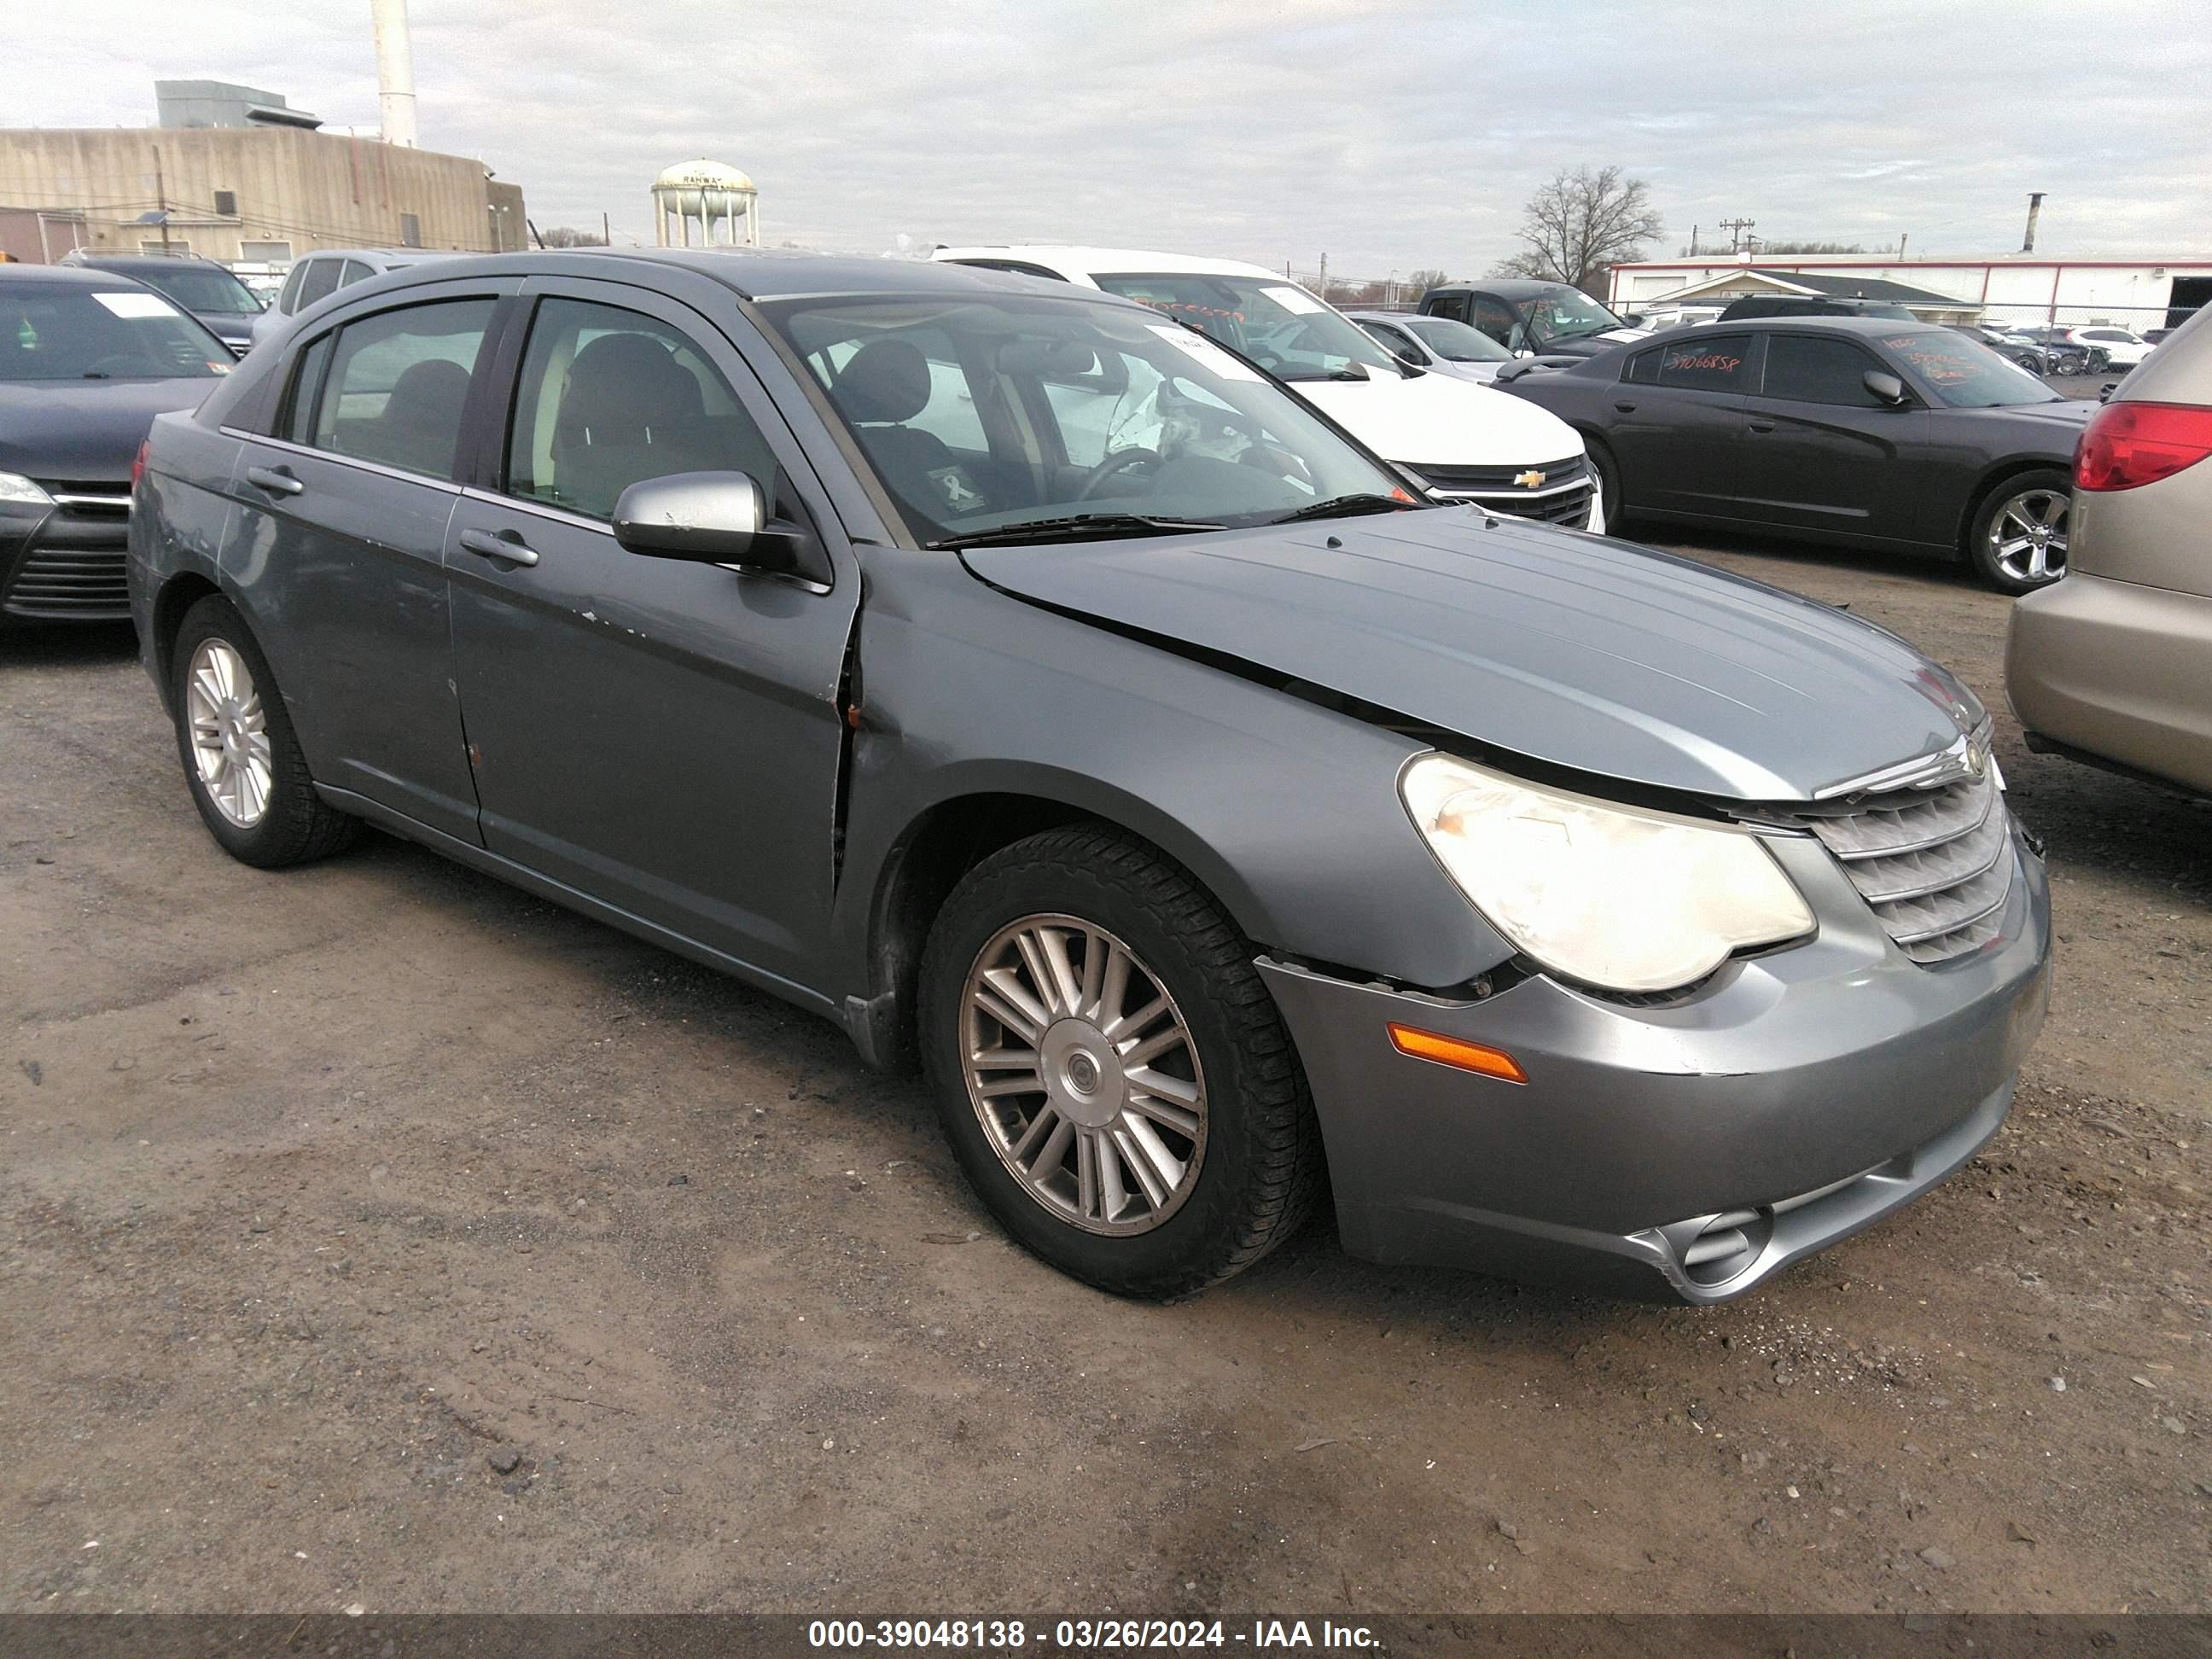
<point x="2114" y="665"/>
<point x="1039" y="691"/>
<point x="1438" y="344"/>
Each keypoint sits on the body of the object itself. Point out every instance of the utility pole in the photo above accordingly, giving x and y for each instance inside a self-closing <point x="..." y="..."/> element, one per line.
<point x="1902" y="236"/>
<point x="2034" y="212"/>
<point x="1735" y="228"/>
<point x="606" y="236"/>
<point x="1324" y="276"/>
<point x="161" y="200"/>
<point x="1694" y="241"/>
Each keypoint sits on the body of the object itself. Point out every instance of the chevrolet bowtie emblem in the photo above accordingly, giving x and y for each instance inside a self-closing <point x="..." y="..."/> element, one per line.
<point x="1531" y="480"/>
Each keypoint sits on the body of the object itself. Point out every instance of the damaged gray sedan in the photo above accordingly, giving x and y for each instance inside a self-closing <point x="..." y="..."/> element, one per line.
<point x="1039" y="690"/>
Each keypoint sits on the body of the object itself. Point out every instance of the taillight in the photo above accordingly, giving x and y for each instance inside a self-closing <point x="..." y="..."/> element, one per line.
<point x="138" y="465"/>
<point x="2126" y="446"/>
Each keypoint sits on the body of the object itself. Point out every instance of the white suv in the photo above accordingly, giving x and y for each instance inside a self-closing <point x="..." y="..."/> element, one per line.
<point x="318" y="275"/>
<point x="1463" y="442"/>
<point x="2111" y="348"/>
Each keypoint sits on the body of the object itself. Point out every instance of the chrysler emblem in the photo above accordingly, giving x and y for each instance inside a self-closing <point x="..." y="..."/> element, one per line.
<point x="1530" y="480"/>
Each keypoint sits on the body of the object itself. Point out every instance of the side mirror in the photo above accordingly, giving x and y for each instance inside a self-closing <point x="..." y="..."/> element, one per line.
<point x="1886" y="386"/>
<point x="706" y="518"/>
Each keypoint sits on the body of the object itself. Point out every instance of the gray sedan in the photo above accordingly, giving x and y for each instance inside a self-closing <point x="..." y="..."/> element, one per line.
<point x="1438" y="344"/>
<point x="1036" y="690"/>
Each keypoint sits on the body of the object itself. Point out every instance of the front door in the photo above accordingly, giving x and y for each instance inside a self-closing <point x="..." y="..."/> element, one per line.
<point x="660" y="736"/>
<point x="344" y="513"/>
<point x="1822" y="453"/>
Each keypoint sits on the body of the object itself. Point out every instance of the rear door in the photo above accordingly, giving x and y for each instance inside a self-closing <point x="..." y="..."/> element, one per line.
<point x="1677" y="423"/>
<point x="340" y="537"/>
<point x="662" y="736"/>
<point x="1822" y="453"/>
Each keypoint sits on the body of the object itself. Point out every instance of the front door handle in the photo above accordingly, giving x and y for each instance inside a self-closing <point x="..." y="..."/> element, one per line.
<point x="1625" y="408"/>
<point x="506" y="545"/>
<point x="1762" y="426"/>
<point x="276" y="480"/>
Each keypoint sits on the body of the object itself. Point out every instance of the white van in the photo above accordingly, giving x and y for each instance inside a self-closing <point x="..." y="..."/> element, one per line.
<point x="1463" y="442"/>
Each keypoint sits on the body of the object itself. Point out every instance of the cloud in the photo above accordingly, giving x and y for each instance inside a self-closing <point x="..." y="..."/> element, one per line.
<point x="1381" y="133"/>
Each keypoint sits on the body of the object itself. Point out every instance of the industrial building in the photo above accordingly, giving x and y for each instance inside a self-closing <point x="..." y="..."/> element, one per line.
<point x="234" y="174"/>
<point x="2021" y="289"/>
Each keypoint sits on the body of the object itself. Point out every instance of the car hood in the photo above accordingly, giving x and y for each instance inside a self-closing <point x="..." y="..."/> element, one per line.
<point x="228" y="326"/>
<point x="1441" y="421"/>
<point x="85" y="429"/>
<point x="1570" y="649"/>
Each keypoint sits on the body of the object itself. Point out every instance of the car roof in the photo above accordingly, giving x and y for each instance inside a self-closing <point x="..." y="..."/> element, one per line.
<point x="68" y="276"/>
<point x="1514" y="287"/>
<point x="753" y="274"/>
<point x="1831" y="324"/>
<point x="89" y="261"/>
<point x="1107" y="261"/>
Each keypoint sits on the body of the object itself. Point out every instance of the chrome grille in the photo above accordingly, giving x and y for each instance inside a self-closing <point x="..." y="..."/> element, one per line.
<point x="75" y="568"/>
<point x="1936" y="865"/>
<point x="1564" y="497"/>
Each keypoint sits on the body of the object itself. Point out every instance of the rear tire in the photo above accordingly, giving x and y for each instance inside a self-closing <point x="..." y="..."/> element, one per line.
<point x="241" y="758"/>
<point x="2019" y="539"/>
<point x="1222" y="1094"/>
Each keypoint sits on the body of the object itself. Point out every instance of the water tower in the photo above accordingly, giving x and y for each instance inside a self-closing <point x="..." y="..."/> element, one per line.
<point x="711" y="193"/>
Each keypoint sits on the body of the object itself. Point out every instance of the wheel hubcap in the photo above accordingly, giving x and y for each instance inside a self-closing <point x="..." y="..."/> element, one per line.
<point x="230" y="733"/>
<point x="2027" y="537"/>
<point x="1083" y="1074"/>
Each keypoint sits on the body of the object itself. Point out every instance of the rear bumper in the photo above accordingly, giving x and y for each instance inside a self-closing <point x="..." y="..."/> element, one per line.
<point x="65" y="563"/>
<point x="1807" y="1093"/>
<point x="2116" y="671"/>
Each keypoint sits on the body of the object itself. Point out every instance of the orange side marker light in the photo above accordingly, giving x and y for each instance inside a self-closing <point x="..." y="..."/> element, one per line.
<point x="1458" y="1052"/>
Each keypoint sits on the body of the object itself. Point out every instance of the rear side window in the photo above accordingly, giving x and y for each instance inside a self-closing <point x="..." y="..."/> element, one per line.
<point x="321" y="281"/>
<point x="397" y="384"/>
<point x="355" y="271"/>
<point x="1707" y="363"/>
<point x="1807" y="370"/>
<point x="611" y="398"/>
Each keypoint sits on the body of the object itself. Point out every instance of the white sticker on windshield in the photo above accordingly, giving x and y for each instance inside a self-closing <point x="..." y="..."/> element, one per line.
<point x="1294" y="299"/>
<point x="136" y="305"/>
<point x="1203" y="350"/>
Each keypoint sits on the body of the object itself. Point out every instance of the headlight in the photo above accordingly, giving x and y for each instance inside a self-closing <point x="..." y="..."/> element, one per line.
<point x="15" y="487"/>
<point x="1612" y="895"/>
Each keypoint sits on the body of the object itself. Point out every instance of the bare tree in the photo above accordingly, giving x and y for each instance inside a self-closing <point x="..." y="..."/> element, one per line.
<point x="1420" y="282"/>
<point x="570" y="236"/>
<point x="1581" y="225"/>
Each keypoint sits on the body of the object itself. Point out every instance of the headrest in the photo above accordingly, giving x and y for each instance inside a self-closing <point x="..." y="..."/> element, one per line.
<point x="886" y="380"/>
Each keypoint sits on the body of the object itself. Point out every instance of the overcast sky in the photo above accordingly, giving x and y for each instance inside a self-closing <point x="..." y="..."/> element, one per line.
<point x="1386" y="135"/>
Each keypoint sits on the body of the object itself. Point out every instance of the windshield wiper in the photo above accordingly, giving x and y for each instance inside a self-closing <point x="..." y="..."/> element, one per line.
<point x="1346" y="507"/>
<point x="1349" y="372"/>
<point x="1077" y="527"/>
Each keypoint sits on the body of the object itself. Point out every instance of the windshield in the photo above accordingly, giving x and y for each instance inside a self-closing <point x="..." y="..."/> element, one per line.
<point x="1965" y="373"/>
<point x="1562" y="313"/>
<point x="208" y="289"/>
<point x="51" y="332"/>
<point x="1456" y="343"/>
<point x="1001" y="409"/>
<point x="1280" y="326"/>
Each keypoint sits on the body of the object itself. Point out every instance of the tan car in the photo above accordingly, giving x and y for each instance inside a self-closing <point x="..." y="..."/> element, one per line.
<point x="2113" y="665"/>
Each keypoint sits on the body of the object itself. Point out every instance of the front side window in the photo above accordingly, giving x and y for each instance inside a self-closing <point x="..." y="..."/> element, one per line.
<point x="52" y="332"/>
<point x="1276" y="324"/>
<point x="1562" y="314"/>
<point x="1456" y="343"/>
<point x="1807" y="370"/>
<point x="1394" y="341"/>
<point x="609" y="397"/>
<point x="1965" y="374"/>
<point x="1081" y="409"/>
<point x="398" y="382"/>
<point x="1706" y="363"/>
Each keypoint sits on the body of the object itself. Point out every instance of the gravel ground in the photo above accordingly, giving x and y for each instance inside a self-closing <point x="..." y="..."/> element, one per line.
<point x="374" y="1234"/>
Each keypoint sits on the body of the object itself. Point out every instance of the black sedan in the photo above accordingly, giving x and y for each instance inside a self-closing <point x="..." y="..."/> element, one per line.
<point x="87" y="360"/>
<point x="1870" y="433"/>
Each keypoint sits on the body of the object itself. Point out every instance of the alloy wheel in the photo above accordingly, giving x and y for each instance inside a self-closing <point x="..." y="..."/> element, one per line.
<point x="230" y="732"/>
<point x="1083" y="1075"/>
<point x="2027" y="535"/>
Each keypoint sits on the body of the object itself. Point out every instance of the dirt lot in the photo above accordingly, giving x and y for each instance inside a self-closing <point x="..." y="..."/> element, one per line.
<point x="374" y="1234"/>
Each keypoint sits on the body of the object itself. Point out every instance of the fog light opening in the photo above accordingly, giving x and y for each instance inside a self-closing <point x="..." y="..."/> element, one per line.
<point x="1726" y="1245"/>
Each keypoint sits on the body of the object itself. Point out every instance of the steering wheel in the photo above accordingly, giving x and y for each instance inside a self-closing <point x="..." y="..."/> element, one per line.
<point x="1119" y="461"/>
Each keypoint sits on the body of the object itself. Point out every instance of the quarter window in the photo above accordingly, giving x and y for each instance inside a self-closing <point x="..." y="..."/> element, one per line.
<point x="1807" y="370"/>
<point x="609" y="397"/>
<point x="1706" y="363"/>
<point x="397" y="384"/>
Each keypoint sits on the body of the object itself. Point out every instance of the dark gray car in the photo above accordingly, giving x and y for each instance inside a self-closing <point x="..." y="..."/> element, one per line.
<point x="1040" y="692"/>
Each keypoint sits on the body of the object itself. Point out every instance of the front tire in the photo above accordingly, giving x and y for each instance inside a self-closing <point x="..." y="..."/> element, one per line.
<point x="242" y="760"/>
<point x="1607" y="471"/>
<point x="2020" y="535"/>
<point x="1111" y="1072"/>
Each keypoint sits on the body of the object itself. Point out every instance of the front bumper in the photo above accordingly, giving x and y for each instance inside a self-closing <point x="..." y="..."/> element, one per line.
<point x="66" y="563"/>
<point x="1796" y="1097"/>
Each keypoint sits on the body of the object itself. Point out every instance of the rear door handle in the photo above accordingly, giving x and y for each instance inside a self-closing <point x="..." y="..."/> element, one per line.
<point x="1762" y="426"/>
<point x="1625" y="409"/>
<point x="506" y="545"/>
<point x="276" y="480"/>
